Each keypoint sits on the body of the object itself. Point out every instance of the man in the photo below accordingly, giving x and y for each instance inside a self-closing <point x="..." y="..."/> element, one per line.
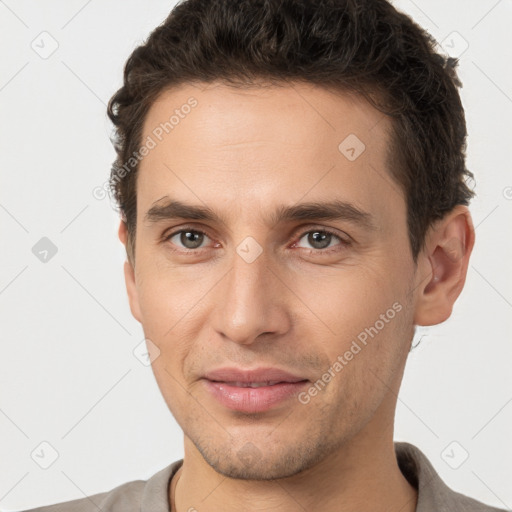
<point x="291" y="180"/>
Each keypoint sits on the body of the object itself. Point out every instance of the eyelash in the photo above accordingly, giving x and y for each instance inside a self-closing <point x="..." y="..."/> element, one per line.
<point x="328" y="250"/>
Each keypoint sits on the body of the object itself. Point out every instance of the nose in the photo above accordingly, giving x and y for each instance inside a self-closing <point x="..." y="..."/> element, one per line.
<point x="250" y="302"/>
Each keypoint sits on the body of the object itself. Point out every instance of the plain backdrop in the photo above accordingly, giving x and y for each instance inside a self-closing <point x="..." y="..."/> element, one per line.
<point x="73" y="395"/>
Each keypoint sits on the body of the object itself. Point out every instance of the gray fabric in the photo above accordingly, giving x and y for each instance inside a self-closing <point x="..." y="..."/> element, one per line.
<point x="152" y="495"/>
<point x="433" y="494"/>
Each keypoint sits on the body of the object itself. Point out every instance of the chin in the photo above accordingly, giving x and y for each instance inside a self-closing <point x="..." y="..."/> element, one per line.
<point x="252" y="463"/>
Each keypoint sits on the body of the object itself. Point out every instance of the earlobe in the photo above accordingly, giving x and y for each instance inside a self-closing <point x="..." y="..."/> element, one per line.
<point x="123" y="232"/>
<point x="129" y="276"/>
<point x="446" y="257"/>
<point x="131" y="289"/>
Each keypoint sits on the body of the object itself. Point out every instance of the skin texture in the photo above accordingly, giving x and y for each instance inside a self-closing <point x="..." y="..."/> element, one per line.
<point x="243" y="153"/>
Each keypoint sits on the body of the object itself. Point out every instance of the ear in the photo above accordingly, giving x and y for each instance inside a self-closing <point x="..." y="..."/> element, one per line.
<point x="443" y="265"/>
<point x="129" y="276"/>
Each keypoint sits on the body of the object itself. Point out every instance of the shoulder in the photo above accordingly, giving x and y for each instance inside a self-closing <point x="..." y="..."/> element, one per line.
<point x="467" y="504"/>
<point x="135" y="496"/>
<point x="433" y="493"/>
<point x="124" y="497"/>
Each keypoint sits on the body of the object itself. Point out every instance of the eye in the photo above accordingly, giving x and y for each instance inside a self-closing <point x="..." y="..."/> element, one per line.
<point x="189" y="238"/>
<point x="321" y="239"/>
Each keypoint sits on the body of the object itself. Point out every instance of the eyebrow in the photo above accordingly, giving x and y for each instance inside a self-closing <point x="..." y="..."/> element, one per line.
<point x="172" y="209"/>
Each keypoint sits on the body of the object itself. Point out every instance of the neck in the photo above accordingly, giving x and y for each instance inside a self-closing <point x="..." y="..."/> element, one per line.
<point x="359" y="476"/>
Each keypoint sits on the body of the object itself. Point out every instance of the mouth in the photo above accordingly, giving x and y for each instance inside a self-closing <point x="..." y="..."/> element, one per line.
<point x="252" y="391"/>
<point x="252" y="384"/>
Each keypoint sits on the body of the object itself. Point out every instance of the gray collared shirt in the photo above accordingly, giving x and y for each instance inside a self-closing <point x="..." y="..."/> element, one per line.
<point x="152" y="495"/>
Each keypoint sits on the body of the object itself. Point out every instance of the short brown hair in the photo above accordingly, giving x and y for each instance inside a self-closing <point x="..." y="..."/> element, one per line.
<point x="364" y="46"/>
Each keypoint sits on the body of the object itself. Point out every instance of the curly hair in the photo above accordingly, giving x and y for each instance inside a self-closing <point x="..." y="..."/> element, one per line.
<point x="362" y="46"/>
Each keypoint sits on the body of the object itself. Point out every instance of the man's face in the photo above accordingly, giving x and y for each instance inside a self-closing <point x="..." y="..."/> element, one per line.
<point x="257" y="291"/>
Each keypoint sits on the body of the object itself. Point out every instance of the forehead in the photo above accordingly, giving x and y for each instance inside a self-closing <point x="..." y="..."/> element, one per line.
<point x="294" y="113"/>
<point x="266" y="145"/>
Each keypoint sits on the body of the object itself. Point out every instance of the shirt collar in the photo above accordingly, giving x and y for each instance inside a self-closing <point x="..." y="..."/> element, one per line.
<point x="155" y="497"/>
<point x="433" y="493"/>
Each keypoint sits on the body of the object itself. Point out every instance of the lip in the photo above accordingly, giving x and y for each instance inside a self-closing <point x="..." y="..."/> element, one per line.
<point x="254" y="375"/>
<point x="226" y="385"/>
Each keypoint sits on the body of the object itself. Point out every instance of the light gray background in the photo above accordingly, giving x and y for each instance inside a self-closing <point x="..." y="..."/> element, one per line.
<point x="68" y="375"/>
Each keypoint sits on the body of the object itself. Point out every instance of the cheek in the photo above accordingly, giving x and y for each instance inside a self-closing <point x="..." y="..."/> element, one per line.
<point x="172" y="306"/>
<point x="168" y="296"/>
<point x="348" y="300"/>
<point x="365" y="316"/>
<point x="367" y="352"/>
